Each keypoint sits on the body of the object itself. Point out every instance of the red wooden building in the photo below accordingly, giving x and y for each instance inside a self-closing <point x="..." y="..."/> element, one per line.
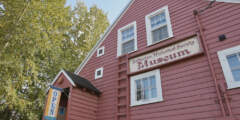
<point x="161" y="60"/>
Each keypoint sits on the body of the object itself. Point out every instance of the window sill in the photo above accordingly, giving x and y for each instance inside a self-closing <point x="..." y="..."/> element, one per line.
<point x="96" y="78"/>
<point x="146" y="102"/>
<point x="127" y="53"/>
<point x="99" y="55"/>
<point x="233" y="85"/>
<point x="149" y="45"/>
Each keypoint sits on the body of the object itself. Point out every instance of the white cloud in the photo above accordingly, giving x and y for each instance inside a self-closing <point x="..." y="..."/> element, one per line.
<point x="1" y="6"/>
<point x="1" y="9"/>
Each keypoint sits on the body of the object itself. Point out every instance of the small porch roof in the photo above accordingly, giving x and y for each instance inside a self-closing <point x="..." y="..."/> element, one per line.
<point x="77" y="81"/>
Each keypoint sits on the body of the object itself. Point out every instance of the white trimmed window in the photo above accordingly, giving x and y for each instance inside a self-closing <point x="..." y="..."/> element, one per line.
<point x="100" y="51"/>
<point x="146" y="88"/>
<point x="228" y="1"/>
<point x="158" y="26"/>
<point x="230" y="62"/>
<point x="99" y="73"/>
<point x="127" y="39"/>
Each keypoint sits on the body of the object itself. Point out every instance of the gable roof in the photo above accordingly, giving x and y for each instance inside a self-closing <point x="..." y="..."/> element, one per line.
<point x="82" y="82"/>
<point x="77" y="81"/>
<point x="109" y="29"/>
<point x="66" y="75"/>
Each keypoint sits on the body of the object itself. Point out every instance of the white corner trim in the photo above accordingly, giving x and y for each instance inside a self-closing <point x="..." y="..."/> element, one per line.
<point x="148" y="24"/>
<point x="101" y="48"/>
<point x="227" y="1"/>
<point x="119" y="42"/>
<point x="100" y="76"/>
<point x="66" y="75"/>
<point x="159" y="97"/>
<point x="106" y="33"/>
<point x="222" y="56"/>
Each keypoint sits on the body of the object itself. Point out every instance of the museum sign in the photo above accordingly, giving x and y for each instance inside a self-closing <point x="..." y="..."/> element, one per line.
<point x="166" y="55"/>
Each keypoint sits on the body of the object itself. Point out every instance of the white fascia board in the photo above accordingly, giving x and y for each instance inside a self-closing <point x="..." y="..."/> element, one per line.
<point x="227" y="1"/>
<point x="66" y="75"/>
<point x="56" y="78"/>
<point x="106" y="33"/>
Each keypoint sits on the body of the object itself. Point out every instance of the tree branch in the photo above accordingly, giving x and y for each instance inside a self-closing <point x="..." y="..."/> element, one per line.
<point x="24" y="10"/>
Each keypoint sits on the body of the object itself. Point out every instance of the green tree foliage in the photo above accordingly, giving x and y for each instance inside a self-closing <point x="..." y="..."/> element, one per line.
<point x="37" y="39"/>
<point x="87" y="27"/>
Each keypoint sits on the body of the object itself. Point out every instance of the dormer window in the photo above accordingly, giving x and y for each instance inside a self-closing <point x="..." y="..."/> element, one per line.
<point x="127" y="39"/>
<point x="100" y="51"/>
<point x="158" y="26"/>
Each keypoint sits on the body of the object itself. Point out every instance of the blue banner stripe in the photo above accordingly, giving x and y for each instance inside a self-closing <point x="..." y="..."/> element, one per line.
<point x="49" y="118"/>
<point x="59" y="89"/>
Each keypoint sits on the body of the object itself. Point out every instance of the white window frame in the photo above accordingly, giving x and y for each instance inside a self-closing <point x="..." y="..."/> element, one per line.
<point x="101" y="48"/>
<point x="119" y="46"/>
<point x="228" y="1"/>
<point x="99" y="76"/>
<point x="159" y="97"/>
<point x="149" y="28"/>
<point x="222" y="55"/>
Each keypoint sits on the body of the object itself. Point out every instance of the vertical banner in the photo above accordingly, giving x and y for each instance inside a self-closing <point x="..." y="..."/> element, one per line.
<point x="52" y="104"/>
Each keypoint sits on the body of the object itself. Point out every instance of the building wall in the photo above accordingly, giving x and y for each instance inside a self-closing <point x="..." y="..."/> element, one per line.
<point x="83" y="105"/>
<point x="223" y="19"/>
<point x="188" y="87"/>
<point x="62" y="82"/>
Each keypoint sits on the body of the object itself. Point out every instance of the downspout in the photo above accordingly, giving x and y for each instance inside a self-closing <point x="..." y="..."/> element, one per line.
<point x="213" y="73"/>
<point x="227" y="100"/>
<point x="220" y="88"/>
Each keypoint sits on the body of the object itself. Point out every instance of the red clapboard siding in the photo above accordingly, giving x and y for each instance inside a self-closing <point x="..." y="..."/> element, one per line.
<point x="83" y="105"/>
<point x="225" y="20"/>
<point x="64" y="84"/>
<point x="188" y="88"/>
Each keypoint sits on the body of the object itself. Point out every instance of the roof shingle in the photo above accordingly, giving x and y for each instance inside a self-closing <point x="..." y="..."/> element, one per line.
<point x="82" y="82"/>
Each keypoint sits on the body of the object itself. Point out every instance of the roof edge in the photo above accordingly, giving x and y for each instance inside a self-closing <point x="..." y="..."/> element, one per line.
<point x="66" y="75"/>
<point x="109" y="29"/>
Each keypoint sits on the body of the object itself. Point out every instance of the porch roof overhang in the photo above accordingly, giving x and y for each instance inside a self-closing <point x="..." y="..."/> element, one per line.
<point x="77" y="81"/>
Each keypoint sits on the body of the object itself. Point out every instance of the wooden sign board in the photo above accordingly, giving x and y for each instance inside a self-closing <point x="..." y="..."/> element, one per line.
<point x="165" y="55"/>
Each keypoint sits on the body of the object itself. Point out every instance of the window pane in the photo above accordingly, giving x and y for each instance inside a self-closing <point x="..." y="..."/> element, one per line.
<point x="128" y="47"/>
<point x="128" y="34"/>
<point x="152" y="81"/>
<point x="158" y="20"/>
<point x="160" y="34"/>
<point x="153" y="92"/>
<point x="100" y="51"/>
<point x="99" y="73"/>
<point x="153" y="86"/>
<point x="138" y="85"/>
<point x="139" y="88"/>
<point x="146" y="88"/>
<point x="236" y="75"/>
<point x="233" y="61"/>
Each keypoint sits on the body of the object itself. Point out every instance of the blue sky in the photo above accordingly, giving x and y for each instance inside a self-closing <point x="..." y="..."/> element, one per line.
<point x="112" y="7"/>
